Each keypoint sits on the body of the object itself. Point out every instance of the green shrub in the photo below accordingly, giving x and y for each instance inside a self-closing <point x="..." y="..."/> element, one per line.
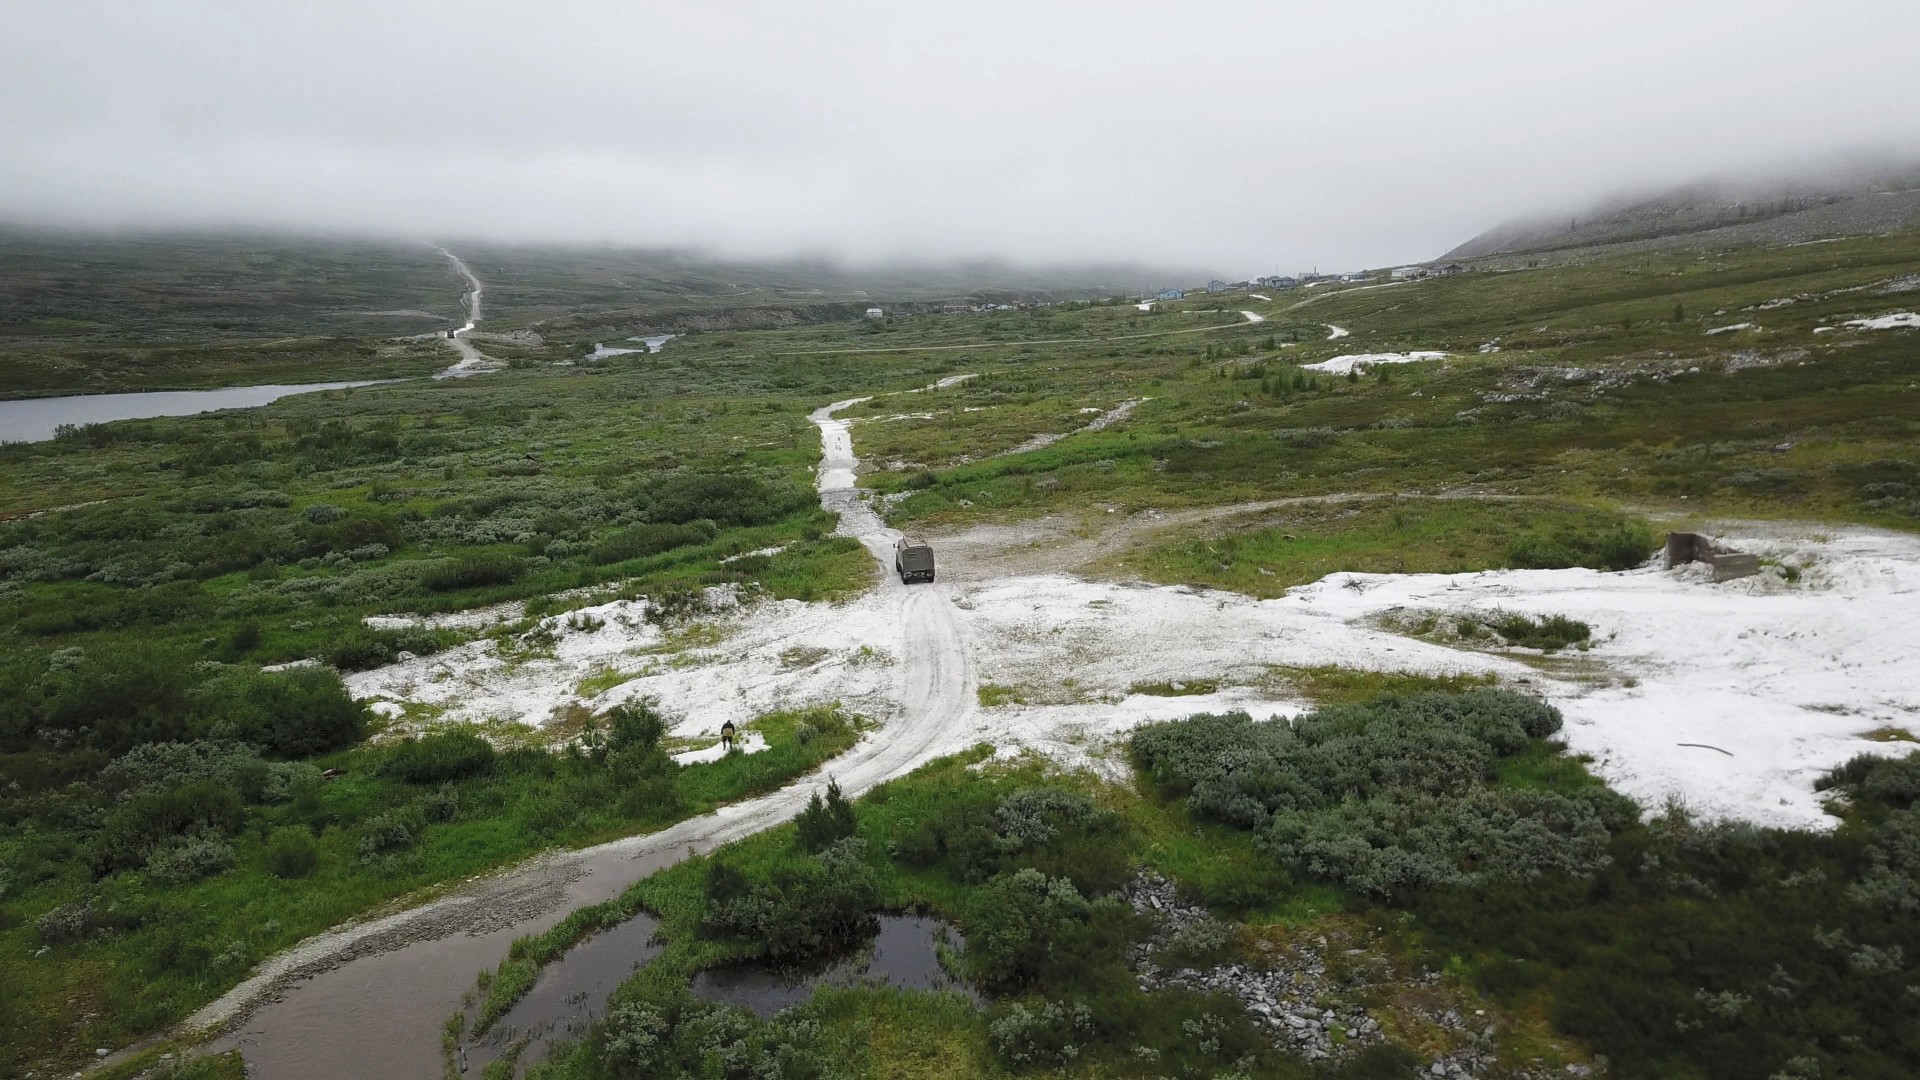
<point x="1048" y="1034"/>
<point x="657" y="1030"/>
<point x="384" y="834"/>
<point x="1199" y="944"/>
<point x="364" y="648"/>
<point x="444" y="755"/>
<point x="727" y="499"/>
<point x="642" y="540"/>
<point x="140" y="824"/>
<point x="825" y="823"/>
<point x="1548" y="634"/>
<point x="804" y="907"/>
<point x="296" y="713"/>
<point x="472" y="571"/>
<point x="1621" y="547"/>
<point x="1026" y="931"/>
<point x="1391" y="796"/>
<point x="292" y="852"/>
<point x="190" y="858"/>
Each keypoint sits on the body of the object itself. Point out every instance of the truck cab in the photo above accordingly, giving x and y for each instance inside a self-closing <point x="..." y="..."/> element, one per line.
<point x="913" y="560"/>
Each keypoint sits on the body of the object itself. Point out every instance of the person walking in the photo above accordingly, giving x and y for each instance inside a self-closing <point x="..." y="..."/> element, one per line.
<point x="726" y="737"/>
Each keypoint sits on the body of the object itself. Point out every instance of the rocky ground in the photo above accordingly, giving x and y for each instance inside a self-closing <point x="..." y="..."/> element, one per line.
<point x="1322" y="995"/>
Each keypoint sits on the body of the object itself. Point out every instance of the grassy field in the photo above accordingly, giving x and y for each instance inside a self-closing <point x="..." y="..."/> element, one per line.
<point x="1606" y="389"/>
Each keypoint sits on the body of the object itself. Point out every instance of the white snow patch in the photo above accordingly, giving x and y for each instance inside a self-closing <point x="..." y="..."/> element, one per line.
<point x="1144" y="307"/>
<point x="1335" y="333"/>
<point x="471" y="619"/>
<point x="1732" y="329"/>
<point x="1257" y="296"/>
<point x="1340" y="365"/>
<point x="1254" y="317"/>
<point x="751" y="743"/>
<point x="1784" y="679"/>
<point x="1905" y="319"/>
<point x="768" y="551"/>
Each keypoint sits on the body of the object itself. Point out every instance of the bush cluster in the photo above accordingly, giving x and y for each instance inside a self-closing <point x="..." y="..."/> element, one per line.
<point x="1060" y="832"/>
<point x="657" y="1030"/>
<point x="451" y="754"/>
<point x="1392" y="796"/>
<point x="800" y="908"/>
<point x="1619" y="547"/>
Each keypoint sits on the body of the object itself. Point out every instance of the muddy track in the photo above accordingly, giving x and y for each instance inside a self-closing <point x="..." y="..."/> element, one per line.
<point x="368" y="998"/>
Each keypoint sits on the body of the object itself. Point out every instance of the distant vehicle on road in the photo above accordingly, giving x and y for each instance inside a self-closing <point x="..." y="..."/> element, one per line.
<point x="913" y="560"/>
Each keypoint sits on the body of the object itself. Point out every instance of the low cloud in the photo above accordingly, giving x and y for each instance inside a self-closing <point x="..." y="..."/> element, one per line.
<point x="1250" y="137"/>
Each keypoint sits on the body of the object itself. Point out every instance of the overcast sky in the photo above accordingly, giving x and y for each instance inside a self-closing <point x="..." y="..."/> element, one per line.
<point x="1244" y="137"/>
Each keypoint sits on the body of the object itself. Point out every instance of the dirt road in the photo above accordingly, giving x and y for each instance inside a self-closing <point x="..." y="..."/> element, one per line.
<point x="368" y="999"/>
<point x="471" y="361"/>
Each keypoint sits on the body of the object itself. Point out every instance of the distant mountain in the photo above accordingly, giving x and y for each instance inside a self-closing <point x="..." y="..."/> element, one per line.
<point x="1841" y="202"/>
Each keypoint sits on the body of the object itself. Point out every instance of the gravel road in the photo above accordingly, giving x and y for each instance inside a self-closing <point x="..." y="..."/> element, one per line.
<point x="368" y="998"/>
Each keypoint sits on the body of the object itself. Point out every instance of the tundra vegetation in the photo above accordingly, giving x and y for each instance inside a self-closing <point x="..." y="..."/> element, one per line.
<point x="1453" y="824"/>
<point x="169" y="818"/>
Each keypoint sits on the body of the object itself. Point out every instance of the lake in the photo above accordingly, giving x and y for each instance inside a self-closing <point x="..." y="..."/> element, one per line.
<point x="36" y="419"/>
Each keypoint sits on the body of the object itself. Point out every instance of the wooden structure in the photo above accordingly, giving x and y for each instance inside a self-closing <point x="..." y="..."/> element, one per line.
<point x="1683" y="548"/>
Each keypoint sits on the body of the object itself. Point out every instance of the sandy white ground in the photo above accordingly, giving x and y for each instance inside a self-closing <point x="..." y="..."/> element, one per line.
<point x="1783" y="679"/>
<point x="1340" y="365"/>
<point x="1903" y="319"/>
<point x="751" y="743"/>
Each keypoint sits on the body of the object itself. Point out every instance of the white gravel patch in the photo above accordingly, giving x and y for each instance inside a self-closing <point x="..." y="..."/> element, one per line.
<point x="1784" y="680"/>
<point x="751" y="743"/>
<point x="1340" y="365"/>
<point x="1900" y="320"/>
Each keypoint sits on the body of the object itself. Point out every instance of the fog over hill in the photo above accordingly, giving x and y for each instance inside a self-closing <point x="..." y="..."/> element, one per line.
<point x="1246" y="137"/>
<point x="1851" y="198"/>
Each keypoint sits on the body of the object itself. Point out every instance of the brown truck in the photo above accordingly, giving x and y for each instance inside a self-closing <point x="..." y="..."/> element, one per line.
<point x="913" y="560"/>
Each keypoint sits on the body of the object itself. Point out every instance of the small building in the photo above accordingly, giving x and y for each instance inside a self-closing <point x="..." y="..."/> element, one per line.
<point x="1450" y="269"/>
<point x="1170" y="294"/>
<point x="876" y="313"/>
<point x="1409" y="273"/>
<point x="1216" y="286"/>
<point x="1282" y="281"/>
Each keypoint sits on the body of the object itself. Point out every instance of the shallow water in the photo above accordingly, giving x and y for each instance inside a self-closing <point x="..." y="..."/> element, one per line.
<point x="573" y="991"/>
<point x="569" y="994"/>
<point x="380" y="1014"/>
<point x="905" y="955"/>
<point x="36" y="419"/>
<point x="654" y="343"/>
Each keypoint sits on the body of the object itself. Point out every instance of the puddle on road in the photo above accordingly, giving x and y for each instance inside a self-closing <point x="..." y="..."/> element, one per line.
<point x="572" y="992"/>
